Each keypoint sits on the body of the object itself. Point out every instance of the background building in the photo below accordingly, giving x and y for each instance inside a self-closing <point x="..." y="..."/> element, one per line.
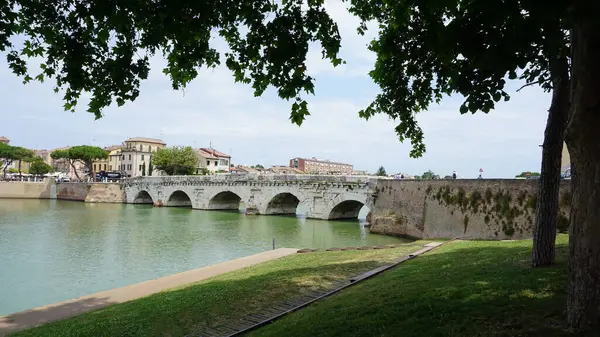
<point x="4" y="140"/>
<point x="566" y="159"/>
<point x="213" y="160"/>
<point x="284" y="170"/>
<point x="136" y="154"/>
<point x="104" y="164"/>
<point x="320" y="166"/>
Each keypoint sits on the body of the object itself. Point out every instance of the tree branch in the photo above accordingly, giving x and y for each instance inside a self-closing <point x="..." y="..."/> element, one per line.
<point x="528" y="84"/>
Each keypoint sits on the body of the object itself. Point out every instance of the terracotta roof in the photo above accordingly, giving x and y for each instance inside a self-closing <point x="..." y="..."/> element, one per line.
<point x="243" y="169"/>
<point x="146" y="140"/>
<point x="211" y="153"/>
<point x="4" y="139"/>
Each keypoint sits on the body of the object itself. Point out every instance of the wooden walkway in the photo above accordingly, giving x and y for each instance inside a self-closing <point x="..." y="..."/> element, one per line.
<point x="266" y="316"/>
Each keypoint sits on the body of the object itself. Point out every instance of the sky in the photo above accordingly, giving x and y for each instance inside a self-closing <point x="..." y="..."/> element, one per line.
<point x="215" y="110"/>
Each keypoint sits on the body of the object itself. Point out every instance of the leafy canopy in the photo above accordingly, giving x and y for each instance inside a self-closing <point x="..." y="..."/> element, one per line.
<point x="84" y="153"/>
<point x="21" y="153"/>
<point x="104" y="47"/>
<point x="7" y="152"/>
<point x="430" y="175"/>
<point x="39" y="167"/>
<point x="430" y="48"/>
<point x="524" y="174"/>
<point x="177" y="160"/>
<point x="381" y="172"/>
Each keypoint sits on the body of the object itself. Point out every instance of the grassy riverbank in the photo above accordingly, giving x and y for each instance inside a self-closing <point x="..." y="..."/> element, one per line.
<point x="465" y="288"/>
<point x="212" y="302"/>
<point x="461" y="289"/>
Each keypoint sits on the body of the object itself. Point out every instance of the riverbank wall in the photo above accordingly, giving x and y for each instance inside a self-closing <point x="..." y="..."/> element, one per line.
<point x="91" y="192"/>
<point x="469" y="209"/>
<point x="48" y="189"/>
<point x="27" y="190"/>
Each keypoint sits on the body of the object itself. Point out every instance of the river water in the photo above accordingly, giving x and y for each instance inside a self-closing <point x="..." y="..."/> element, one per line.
<point x="52" y="251"/>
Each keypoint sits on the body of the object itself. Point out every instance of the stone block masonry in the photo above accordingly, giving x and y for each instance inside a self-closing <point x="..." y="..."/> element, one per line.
<point x="469" y="209"/>
<point x="91" y="192"/>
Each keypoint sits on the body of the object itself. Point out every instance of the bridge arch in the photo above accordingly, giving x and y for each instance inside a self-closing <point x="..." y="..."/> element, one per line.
<point x="143" y="197"/>
<point x="283" y="203"/>
<point x="179" y="199"/>
<point x="347" y="209"/>
<point x="225" y="200"/>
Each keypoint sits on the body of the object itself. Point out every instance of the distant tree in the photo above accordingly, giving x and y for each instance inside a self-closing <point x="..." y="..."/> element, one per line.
<point x="143" y="169"/>
<point x="150" y="167"/>
<point x="524" y="174"/>
<point x="203" y="171"/>
<point x="430" y="175"/>
<point x="22" y="154"/>
<point x="177" y="160"/>
<point x="381" y="172"/>
<point x="258" y="167"/>
<point x="418" y="177"/>
<point x="221" y="171"/>
<point x="13" y="170"/>
<point x="7" y="154"/>
<point x="39" y="167"/>
<point x="82" y="153"/>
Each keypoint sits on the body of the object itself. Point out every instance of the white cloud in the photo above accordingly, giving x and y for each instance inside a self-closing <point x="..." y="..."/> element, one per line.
<point x="213" y="109"/>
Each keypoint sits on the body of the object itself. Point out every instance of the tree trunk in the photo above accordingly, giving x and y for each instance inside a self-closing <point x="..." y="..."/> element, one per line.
<point x="546" y="216"/>
<point x="583" y="141"/>
<point x="72" y="162"/>
<point x="20" y="175"/>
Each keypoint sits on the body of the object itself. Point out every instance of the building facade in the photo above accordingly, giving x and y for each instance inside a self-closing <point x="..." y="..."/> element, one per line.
<point x="320" y="166"/>
<point x="213" y="160"/>
<point x="566" y="159"/>
<point x="4" y="140"/>
<point x="136" y="154"/>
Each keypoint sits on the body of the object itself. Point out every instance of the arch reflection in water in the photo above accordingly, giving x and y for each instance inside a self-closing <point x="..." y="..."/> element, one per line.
<point x="79" y="248"/>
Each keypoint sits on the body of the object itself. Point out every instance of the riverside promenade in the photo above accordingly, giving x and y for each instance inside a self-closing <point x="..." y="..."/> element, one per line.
<point x="66" y="309"/>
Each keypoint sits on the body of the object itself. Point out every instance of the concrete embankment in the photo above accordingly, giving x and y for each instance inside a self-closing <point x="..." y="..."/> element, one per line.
<point x="48" y="189"/>
<point x="27" y="190"/>
<point x="62" y="310"/>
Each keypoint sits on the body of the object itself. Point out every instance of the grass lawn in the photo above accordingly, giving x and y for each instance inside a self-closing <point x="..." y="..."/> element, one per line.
<point x="214" y="301"/>
<point x="462" y="289"/>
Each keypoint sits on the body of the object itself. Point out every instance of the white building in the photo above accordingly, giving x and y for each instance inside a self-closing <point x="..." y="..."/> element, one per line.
<point x="213" y="160"/>
<point x="136" y="154"/>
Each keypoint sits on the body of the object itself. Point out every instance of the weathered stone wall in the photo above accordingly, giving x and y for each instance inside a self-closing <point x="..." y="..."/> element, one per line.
<point x="106" y="193"/>
<point x="72" y="191"/>
<point x="470" y="209"/>
<point x="92" y="192"/>
<point x="27" y="190"/>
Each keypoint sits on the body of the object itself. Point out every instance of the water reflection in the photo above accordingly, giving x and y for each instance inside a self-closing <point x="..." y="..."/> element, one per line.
<point x="78" y="248"/>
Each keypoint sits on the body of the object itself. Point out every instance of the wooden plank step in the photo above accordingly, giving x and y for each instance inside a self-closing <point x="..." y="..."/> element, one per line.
<point x="369" y="273"/>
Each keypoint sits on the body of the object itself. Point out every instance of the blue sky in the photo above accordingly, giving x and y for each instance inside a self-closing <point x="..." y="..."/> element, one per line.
<point x="215" y="110"/>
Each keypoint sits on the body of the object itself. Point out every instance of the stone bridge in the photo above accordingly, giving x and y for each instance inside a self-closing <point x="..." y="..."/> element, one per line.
<point x="324" y="197"/>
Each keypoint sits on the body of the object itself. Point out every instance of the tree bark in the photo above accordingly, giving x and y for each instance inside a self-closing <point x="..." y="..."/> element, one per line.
<point x="546" y="216"/>
<point x="583" y="141"/>
<point x="72" y="162"/>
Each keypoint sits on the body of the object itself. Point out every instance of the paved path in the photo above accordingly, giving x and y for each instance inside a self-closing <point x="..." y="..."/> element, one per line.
<point x="53" y="312"/>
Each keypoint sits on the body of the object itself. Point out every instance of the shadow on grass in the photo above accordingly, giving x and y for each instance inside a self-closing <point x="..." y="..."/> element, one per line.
<point x="464" y="289"/>
<point x="208" y="304"/>
<point x="34" y="317"/>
